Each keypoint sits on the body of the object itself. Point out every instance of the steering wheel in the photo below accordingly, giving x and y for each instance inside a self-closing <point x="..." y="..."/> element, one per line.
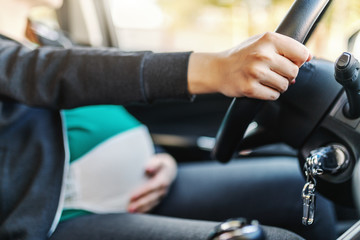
<point x="298" y="24"/>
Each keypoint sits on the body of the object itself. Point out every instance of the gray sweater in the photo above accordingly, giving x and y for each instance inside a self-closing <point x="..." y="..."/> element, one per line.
<point x="34" y="86"/>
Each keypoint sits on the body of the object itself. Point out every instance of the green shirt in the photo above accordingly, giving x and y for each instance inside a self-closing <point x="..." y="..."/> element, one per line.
<point x="89" y="126"/>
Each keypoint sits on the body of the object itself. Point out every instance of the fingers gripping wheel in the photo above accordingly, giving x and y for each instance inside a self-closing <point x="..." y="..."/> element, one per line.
<point x="237" y="229"/>
<point x="298" y="24"/>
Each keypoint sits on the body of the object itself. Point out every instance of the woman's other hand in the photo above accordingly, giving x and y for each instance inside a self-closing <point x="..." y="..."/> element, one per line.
<point x="161" y="171"/>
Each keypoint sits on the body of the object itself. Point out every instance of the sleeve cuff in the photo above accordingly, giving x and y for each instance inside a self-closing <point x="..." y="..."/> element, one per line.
<point x="164" y="75"/>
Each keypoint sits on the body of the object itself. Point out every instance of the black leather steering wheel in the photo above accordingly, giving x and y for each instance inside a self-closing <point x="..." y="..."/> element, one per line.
<point x="298" y="24"/>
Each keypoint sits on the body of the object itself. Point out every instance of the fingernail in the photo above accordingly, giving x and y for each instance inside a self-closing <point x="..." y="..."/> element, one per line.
<point x="293" y="82"/>
<point x="132" y="210"/>
<point x="135" y="196"/>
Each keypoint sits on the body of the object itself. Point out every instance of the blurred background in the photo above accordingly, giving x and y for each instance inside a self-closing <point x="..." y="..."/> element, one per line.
<point x="198" y="25"/>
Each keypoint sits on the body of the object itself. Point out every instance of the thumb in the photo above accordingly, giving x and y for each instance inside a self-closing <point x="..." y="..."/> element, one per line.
<point x="310" y="57"/>
<point x="153" y="166"/>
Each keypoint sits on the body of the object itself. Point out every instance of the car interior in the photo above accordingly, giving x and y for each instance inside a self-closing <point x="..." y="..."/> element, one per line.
<point x="317" y="120"/>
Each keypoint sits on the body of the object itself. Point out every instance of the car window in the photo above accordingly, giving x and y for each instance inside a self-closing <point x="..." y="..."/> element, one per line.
<point x="211" y="25"/>
<point x="202" y="25"/>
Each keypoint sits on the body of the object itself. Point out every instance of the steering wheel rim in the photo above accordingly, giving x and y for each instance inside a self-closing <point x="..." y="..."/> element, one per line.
<point x="298" y="24"/>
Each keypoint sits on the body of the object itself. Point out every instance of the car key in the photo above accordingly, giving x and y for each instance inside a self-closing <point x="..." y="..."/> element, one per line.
<point x="308" y="195"/>
<point x="312" y="168"/>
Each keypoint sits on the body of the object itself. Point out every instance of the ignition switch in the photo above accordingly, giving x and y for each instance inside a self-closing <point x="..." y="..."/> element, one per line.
<point x="326" y="161"/>
<point x="329" y="160"/>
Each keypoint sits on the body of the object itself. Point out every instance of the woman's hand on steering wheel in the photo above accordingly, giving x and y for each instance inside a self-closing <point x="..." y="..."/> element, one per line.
<point x="161" y="171"/>
<point x="261" y="67"/>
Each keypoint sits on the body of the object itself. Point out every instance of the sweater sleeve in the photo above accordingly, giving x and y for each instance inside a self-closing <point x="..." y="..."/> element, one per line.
<point x="66" y="78"/>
